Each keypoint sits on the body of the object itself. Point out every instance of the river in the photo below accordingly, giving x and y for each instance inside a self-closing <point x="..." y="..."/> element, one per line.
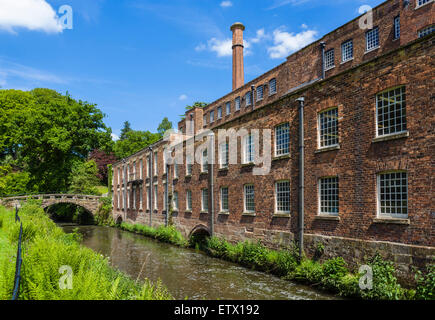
<point x="187" y="272"/>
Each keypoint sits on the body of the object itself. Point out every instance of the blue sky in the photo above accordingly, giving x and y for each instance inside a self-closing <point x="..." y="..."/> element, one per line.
<point x="141" y="60"/>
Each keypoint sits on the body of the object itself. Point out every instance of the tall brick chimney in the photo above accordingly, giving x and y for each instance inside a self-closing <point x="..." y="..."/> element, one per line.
<point x="238" y="73"/>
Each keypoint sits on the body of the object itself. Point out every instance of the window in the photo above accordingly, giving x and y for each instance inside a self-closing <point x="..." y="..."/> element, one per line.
<point x="391" y="111"/>
<point x="189" y="166"/>
<point x="228" y="107"/>
<point x="148" y="167"/>
<point x="422" y="2"/>
<point x="164" y="196"/>
<point x="175" y="171"/>
<point x="393" y="194"/>
<point x="211" y="116"/>
<point x="424" y="32"/>
<point x="249" y="198"/>
<point x="123" y="199"/>
<point x="189" y="200"/>
<point x="175" y="200"/>
<point x="141" y="169"/>
<point x="155" y="197"/>
<point x="248" y="98"/>
<point x="248" y="149"/>
<point x="224" y="154"/>
<point x="237" y="102"/>
<point x="204" y="120"/>
<point x="347" y="51"/>
<point x="219" y="112"/>
<point x="397" y="27"/>
<point x="260" y="92"/>
<point x="328" y="128"/>
<point x="140" y="198"/>
<point x="128" y="198"/>
<point x="148" y="196"/>
<point x="224" y="199"/>
<point x="282" y="196"/>
<point x="282" y="139"/>
<point x="204" y="202"/>
<point x="204" y="163"/>
<point x="134" y="170"/>
<point x="119" y="175"/>
<point x="164" y="162"/>
<point x="272" y="86"/>
<point x="329" y="59"/>
<point x="328" y="195"/>
<point x="119" y="196"/>
<point x="372" y="39"/>
<point x="155" y="164"/>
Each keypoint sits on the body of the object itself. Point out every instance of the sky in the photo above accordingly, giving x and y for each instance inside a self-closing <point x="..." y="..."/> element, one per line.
<point x="143" y="60"/>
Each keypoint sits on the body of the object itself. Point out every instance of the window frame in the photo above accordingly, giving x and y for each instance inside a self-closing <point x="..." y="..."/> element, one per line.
<point x="319" y="197"/>
<point x="275" y="86"/>
<point x="343" y="50"/>
<point x="276" y="197"/>
<point x="421" y="33"/>
<point x="224" y="165"/>
<point x="248" y="102"/>
<point x="245" y="210"/>
<point x="367" y="39"/>
<point x="204" y="196"/>
<point x="258" y="98"/>
<point x="211" y="116"/>
<point x="203" y="165"/>
<point x="228" y="108"/>
<point x="396" y="26"/>
<point x="219" y="113"/>
<point x="276" y="139"/>
<point x="319" y="129"/>
<point x="418" y="5"/>
<point x="222" y="210"/>
<point x="378" y="196"/>
<point x="328" y="59"/>
<point x="377" y="113"/>
<point x="189" y="200"/>
<point x="189" y="166"/>
<point x="245" y="151"/>
<point x="175" y="200"/>
<point x="237" y="103"/>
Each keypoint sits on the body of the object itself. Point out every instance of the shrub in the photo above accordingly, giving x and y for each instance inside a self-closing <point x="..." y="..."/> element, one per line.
<point x="333" y="271"/>
<point x="307" y="271"/>
<point x="426" y="284"/>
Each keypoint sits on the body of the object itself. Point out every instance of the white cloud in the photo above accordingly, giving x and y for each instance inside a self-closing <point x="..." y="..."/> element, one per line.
<point x="223" y="48"/>
<point x="286" y="43"/>
<point x="114" y="137"/>
<point x="226" y="4"/>
<point x="182" y="97"/>
<point x="200" y="47"/>
<point x="304" y="26"/>
<point x="35" y="15"/>
<point x="259" y="36"/>
<point x="280" y="3"/>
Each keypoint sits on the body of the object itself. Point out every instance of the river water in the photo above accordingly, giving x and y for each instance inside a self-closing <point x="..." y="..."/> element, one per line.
<point x="187" y="272"/>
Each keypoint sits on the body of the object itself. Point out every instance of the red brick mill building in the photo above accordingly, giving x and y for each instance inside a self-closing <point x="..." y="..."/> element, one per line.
<point x="362" y="173"/>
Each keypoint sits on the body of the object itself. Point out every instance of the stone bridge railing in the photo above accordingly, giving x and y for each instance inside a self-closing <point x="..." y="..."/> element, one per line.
<point x="89" y="202"/>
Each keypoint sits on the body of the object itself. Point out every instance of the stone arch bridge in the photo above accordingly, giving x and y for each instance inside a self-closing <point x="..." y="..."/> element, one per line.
<point x="88" y="202"/>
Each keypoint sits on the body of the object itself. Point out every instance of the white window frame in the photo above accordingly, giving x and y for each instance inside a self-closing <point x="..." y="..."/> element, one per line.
<point x="219" y="112"/>
<point x="148" y="166"/>
<point x="189" y="166"/>
<point x="329" y="59"/>
<point x="175" y="200"/>
<point x="156" y="198"/>
<point x="204" y="161"/>
<point x="260" y="89"/>
<point x="148" y="196"/>
<point x="222" y="209"/>
<point x="237" y="103"/>
<point x="140" y="169"/>
<point x="421" y="3"/>
<point x="118" y="198"/>
<point x="188" y="200"/>
<point x="377" y="113"/>
<point x="276" y="197"/>
<point x="211" y="116"/>
<point x="248" y="99"/>
<point x="368" y="33"/>
<point x="426" y="31"/>
<point x="204" y="120"/>
<point x="224" y="155"/>
<point x="245" y="197"/>
<point x="319" y="129"/>
<point x="164" y="196"/>
<point x="204" y="200"/>
<point x="378" y="196"/>
<point x="319" y="197"/>
<point x="248" y="155"/>
<point x="345" y="51"/>
<point x="175" y="171"/>
<point x="396" y="25"/>
<point x="277" y="152"/>
<point x="271" y="92"/>
<point x="228" y="108"/>
<point x="155" y="162"/>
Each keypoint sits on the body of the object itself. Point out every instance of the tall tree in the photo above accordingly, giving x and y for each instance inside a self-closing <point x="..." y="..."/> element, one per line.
<point x="84" y="178"/>
<point x="164" y="126"/>
<point x="134" y="141"/>
<point x="196" y="104"/>
<point x="124" y="130"/>
<point x="49" y="131"/>
<point x="102" y="159"/>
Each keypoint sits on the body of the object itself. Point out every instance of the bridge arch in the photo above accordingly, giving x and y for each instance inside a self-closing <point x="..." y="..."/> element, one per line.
<point x="198" y="236"/>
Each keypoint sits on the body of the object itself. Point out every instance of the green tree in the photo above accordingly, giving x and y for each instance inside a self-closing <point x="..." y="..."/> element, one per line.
<point x="196" y="104"/>
<point x="164" y="126"/>
<point x="47" y="132"/>
<point x="84" y="178"/>
<point x="14" y="183"/>
<point x="134" y="141"/>
<point x="124" y="130"/>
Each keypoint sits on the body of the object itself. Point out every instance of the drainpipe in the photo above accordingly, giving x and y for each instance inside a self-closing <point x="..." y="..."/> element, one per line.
<point x="151" y="169"/>
<point x="301" y="101"/>
<point x="167" y="195"/>
<point x="252" y="96"/>
<point x="211" y="181"/>
<point x="322" y="46"/>
<point x="125" y="189"/>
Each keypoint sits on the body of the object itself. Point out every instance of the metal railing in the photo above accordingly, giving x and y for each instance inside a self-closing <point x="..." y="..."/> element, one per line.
<point x="19" y="260"/>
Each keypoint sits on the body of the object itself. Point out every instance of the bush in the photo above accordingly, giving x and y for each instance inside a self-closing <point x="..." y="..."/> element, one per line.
<point x="333" y="271"/>
<point x="103" y="216"/>
<point x="307" y="271"/>
<point x="385" y="285"/>
<point x="425" y="284"/>
<point x="162" y="233"/>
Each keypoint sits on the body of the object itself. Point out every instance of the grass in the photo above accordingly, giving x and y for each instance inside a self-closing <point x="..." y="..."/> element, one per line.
<point x="162" y="233"/>
<point x="102" y="189"/>
<point x="46" y="248"/>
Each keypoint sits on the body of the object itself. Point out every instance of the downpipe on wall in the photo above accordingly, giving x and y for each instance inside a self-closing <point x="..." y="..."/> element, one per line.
<point x="301" y="101"/>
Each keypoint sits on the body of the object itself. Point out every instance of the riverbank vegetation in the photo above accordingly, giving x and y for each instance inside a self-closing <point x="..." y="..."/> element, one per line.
<point x="332" y="275"/>
<point x="46" y="248"/>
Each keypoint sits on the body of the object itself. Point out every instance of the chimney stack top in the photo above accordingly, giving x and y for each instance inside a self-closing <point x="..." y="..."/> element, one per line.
<point x="237" y="25"/>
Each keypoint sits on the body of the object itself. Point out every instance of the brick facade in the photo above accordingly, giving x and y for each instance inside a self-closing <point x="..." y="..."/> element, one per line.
<point x="351" y="87"/>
